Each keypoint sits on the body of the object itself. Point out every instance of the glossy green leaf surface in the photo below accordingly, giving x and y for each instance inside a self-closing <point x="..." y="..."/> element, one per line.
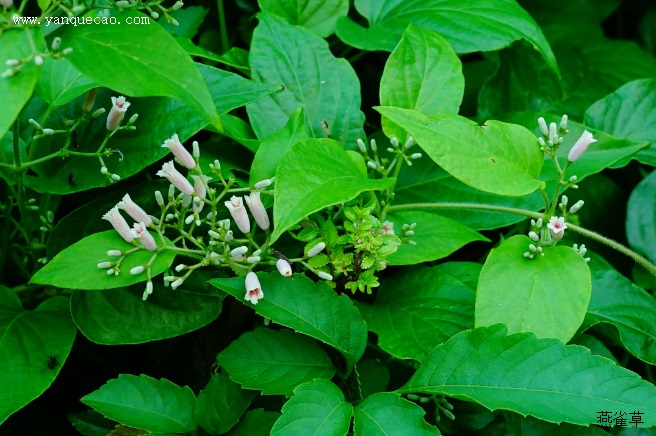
<point x="146" y="403"/>
<point x="77" y="266"/>
<point x="257" y="421"/>
<point x="387" y="413"/>
<point x="641" y="217"/>
<point x="547" y="295"/>
<point x="418" y="309"/>
<point x="120" y="316"/>
<point x="31" y="341"/>
<point x="436" y="237"/>
<point x="17" y="89"/>
<point x="500" y="158"/>
<point x="490" y="25"/>
<point x="313" y="174"/>
<point x="317" y="407"/>
<point x="340" y="325"/>
<point x="326" y="87"/>
<point x="275" y="362"/>
<point x="318" y="16"/>
<point x="624" y="310"/>
<point x="139" y="62"/>
<point x="60" y="82"/>
<point x="221" y="404"/>
<point x="543" y="378"/>
<point x="423" y="73"/>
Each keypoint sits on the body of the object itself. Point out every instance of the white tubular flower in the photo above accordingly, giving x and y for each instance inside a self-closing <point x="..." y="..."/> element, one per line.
<point x="180" y="152"/>
<point x="557" y="226"/>
<point x="257" y="209"/>
<point x="132" y="209"/>
<point x="178" y="180"/>
<point x="316" y="249"/>
<point x="284" y="268"/>
<point x="239" y="214"/>
<point x="200" y="190"/>
<point x="253" y="288"/>
<point x="543" y="126"/>
<point x="137" y="270"/>
<point x="147" y="240"/>
<point x="388" y="228"/>
<point x="581" y="146"/>
<point x="119" y="224"/>
<point x="119" y="106"/>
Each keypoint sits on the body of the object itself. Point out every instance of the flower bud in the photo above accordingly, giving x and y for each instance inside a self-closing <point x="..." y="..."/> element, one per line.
<point x="213" y="234"/>
<point x="253" y="259"/>
<point x="98" y="112"/>
<point x="154" y="15"/>
<point x="257" y="209"/>
<point x="103" y="265"/>
<point x="415" y="156"/>
<point x="180" y="152"/>
<point x="553" y="133"/>
<point x="534" y="236"/>
<point x="159" y="199"/>
<point x="563" y="124"/>
<point x="263" y="184"/>
<point x="34" y="124"/>
<point x="543" y="126"/>
<point x="195" y="149"/>
<point x="316" y="249"/>
<point x="133" y="119"/>
<point x="178" y="180"/>
<point x="581" y="146"/>
<point x="324" y="275"/>
<point x="409" y="143"/>
<point x="116" y="177"/>
<point x="149" y="288"/>
<point x="284" y="268"/>
<point x="119" y="106"/>
<point x="180" y="267"/>
<point x="238" y="212"/>
<point x="239" y="252"/>
<point x="48" y="132"/>
<point x="38" y="60"/>
<point x="176" y="284"/>
<point x="120" y="225"/>
<point x="56" y="42"/>
<point x="134" y="210"/>
<point x="577" y="206"/>
<point x="253" y="288"/>
<point x="373" y="145"/>
<point x="137" y="270"/>
<point x="361" y="145"/>
<point x="6" y="3"/>
<point x="114" y="253"/>
<point x="12" y="62"/>
<point x="177" y="6"/>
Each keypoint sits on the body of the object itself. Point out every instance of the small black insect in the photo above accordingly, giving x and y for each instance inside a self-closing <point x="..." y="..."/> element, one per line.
<point x="325" y="128"/>
<point x="70" y="178"/>
<point x="74" y="139"/>
<point x="52" y="362"/>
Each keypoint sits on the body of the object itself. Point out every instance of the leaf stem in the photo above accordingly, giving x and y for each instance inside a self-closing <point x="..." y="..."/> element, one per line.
<point x="20" y="189"/>
<point x="222" y="27"/>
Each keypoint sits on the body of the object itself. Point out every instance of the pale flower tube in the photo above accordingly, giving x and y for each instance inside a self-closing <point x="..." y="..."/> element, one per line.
<point x="253" y="288"/>
<point x="257" y="209"/>
<point x="238" y="212"/>
<point x="178" y="180"/>
<point x="134" y="210"/>
<point x="119" y="106"/>
<point x="139" y="231"/>
<point x="180" y="152"/>
<point x="119" y="223"/>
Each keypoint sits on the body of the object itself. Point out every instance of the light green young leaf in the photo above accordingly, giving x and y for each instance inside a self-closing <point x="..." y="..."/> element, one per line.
<point x="275" y="362"/>
<point x="317" y="407"/>
<point x="490" y="25"/>
<point x="436" y="237"/>
<point x="139" y="61"/>
<point x="313" y="174"/>
<point x="500" y="158"/>
<point x="624" y="310"/>
<point x="28" y="339"/>
<point x="60" y="82"/>
<point x="630" y="113"/>
<point x="120" y="316"/>
<point x="387" y="413"/>
<point x="221" y="404"/>
<point x="423" y="73"/>
<point x="318" y="16"/>
<point x="543" y="378"/>
<point x="17" y="89"/>
<point x="641" y="217"/>
<point x="418" y="309"/>
<point x="326" y="87"/>
<point x="273" y="147"/>
<point x="339" y="324"/>
<point x="255" y="422"/>
<point x="77" y="266"/>
<point x="547" y="295"/>
<point x="146" y="403"/>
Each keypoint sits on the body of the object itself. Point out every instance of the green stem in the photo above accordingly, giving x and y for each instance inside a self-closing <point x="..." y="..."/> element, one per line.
<point x="20" y="189"/>
<point x="545" y="197"/>
<point x="222" y="27"/>
<point x="467" y="206"/>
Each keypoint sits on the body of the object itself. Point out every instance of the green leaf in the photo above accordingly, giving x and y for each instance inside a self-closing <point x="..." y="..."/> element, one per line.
<point x="338" y="324"/>
<point x="543" y="378"/>
<point x="423" y="73"/>
<point x="146" y="403"/>
<point x="120" y="316"/>
<point x="490" y="25"/>
<point x="275" y="362"/>
<point x="318" y="16"/>
<point x="387" y="413"/>
<point x="273" y="147"/>
<point x="547" y="295"/>
<point x="139" y="61"/>
<point x="91" y="423"/>
<point x="60" y="82"/>
<point x="625" y="310"/>
<point x="373" y="376"/>
<point x="17" y="89"/>
<point x="221" y="403"/>
<point x="607" y="152"/>
<point x="255" y="422"/>
<point x="28" y="339"/>
<point x="628" y="113"/>
<point x="77" y="266"/>
<point x="317" y="407"/>
<point x="418" y="309"/>
<point x="326" y="87"/>
<point x="641" y="217"/>
<point x="426" y="182"/>
<point x="159" y="119"/>
<point x="519" y="425"/>
<point x="590" y="70"/>
<point x="189" y="20"/>
<point x="313" y="174"/>
<point x="436" y="237"/>
<point x="500" y="158"/>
